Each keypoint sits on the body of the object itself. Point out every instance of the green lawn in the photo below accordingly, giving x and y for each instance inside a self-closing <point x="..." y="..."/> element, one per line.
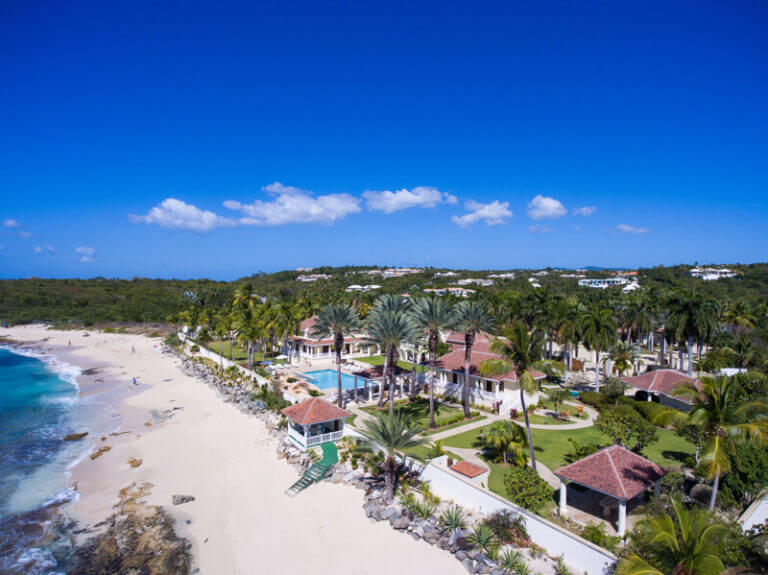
<point x="420" y="452"/>
<point x="239" y="354"/>
<point x="551" y="445"/>
<point x="379" y="360"/>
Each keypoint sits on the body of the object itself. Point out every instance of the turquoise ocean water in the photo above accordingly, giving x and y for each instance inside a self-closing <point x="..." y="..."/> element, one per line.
<point x="39" y="406"/>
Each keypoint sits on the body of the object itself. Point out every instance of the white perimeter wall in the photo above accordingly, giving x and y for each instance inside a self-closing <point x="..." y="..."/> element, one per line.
<point x="581" y="555"/>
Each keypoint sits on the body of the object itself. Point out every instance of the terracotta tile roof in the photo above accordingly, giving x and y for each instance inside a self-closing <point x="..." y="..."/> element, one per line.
<point x="308" y="324"/>
<point x="456" y="337"/>
<point x="314" y="410"/>
<point x="469" y="469"/>
<point x="661" y="381"/>
<point x="615" y="471"/>
<point x="327" y="341"/>
<point x="454" y="361"/>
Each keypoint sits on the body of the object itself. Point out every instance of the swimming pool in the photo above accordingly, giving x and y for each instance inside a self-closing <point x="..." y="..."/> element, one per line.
<point x="326" y="379"/>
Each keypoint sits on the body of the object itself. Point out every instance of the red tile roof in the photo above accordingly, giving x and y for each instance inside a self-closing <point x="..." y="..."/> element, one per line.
<point x="456" y="337"/>
<point x="469" y="469"/>
<point x="661" y="381"/>
<point x="454" y="361"/>
<point x="308" y="324"/>
<point x="615" y="471"/>
<point x="314" y="410"/>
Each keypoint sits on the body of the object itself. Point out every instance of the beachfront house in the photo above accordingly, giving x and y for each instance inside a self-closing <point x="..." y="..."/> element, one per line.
<point x="501" y="392"/>
<point x="658" y="386"/>
<point x="315" y="421"/>
<point x="306" y="346"/>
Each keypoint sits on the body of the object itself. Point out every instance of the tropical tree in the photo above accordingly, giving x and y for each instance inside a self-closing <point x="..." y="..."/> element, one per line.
<point x="680" y="542"/>
<point x="245" y="296"/>
<point x="249" y="330"/>
<point x="742" y="350"/>
<point x="391" y="432"/>
<point x="623" y="356"/>
<point x="724" y="420"/>
<point x="432" y="315"/>
<point x="598" y="332"/>
<point x="389" y="325"/>
<point x="504" y="436"/>
<point x="470" y="318"/>
<point x="739" y="314"/>
<point x="521" y="351"/>
<point x="566" y="313"/>
<point x="336" y="321"/>
<point x="692" y="318"/>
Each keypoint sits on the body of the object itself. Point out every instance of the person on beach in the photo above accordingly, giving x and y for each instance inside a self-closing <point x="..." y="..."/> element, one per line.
<point x="134" y="381"/>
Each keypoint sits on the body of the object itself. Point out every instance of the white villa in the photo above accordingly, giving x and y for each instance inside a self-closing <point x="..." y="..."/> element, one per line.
<point x="365" y="288"/>
<point x="306" y="346"/>
<point x="498" y="391"/>
<point x="315" y="421"/>
<point x="712" y="274"/>
<point x="457" y="291"/>
<point x="312" y="277"/>
<point x="602" y="283"/>
<point x="446" y="275"/>
<point x="475" y="281"/>
<point x="503" y="276"/>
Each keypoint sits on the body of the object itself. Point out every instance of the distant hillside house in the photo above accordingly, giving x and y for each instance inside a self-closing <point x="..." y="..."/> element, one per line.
<point x="365" y="288"/>
<point x="312" y="277"/>
<point x="503" y="276"/>
<point x="712" y="274"/>
<point x="476" y="281"/>
<point x="602" y="283"/>
<point x="307" y="346"/>
<point x="457" y="291"/>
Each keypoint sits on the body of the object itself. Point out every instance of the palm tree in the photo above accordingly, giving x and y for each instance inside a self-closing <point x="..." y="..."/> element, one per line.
<point x="391" y="432"/>
<point x="739" y="314"/>
<point x="724" y="421"/>
<point x="336" y="320"/>
<point x="567" y="328"/>
<point x="521" y="351"/>
<point x="687" y="541"/>
<point x="470" y="317"/>
<point x="742" y="350"/>
<point x="244" y="296"/>
<point x="623" y="355"/>
<point x="389" y="327"/>
<point x="692" y="318"/>
<point x="432" y="315"/>
<point x="598" y="332"/>
<point x="249" y="331"/>
<point x="502" y="435"/>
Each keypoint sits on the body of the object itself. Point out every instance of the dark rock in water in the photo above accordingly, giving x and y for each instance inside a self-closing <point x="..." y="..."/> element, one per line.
<point x="75" y="436"/>
<point x="179" y="499"/>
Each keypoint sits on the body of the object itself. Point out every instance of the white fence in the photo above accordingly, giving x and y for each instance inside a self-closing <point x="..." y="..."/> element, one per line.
<point x="318" y="439"/>
<point x="580" y="554"/>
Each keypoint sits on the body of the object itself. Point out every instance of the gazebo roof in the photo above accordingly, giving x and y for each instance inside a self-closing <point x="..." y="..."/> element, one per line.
<point x="314" y="410"/>
<point x="615" y="471"/>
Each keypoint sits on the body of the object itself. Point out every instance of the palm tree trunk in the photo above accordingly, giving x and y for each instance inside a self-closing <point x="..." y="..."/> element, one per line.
<point x="465" y="394"/>
<point x="597" y="370"/>
<point x="690" y="357"/>
<point x="340" y="398"/>
<point x="663" y="350"/>
<point x="384" y="374"/>
<point x="393" y="381"/>
<point x="713" y="497"/>
<point x="527" y="426"/>
<point x="432" y="385"/>
<point x="389" y="476"/>
<point x="567" y="360"/>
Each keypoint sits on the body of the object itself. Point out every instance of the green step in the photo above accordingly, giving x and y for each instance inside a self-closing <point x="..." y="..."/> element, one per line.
<point x="318" y="471"/>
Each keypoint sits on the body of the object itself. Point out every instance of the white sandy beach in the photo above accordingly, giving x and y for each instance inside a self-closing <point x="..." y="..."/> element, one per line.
<point x="241" y="520"/>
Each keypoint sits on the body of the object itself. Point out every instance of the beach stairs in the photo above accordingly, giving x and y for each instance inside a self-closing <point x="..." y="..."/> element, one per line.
<point x="318" y="471"/>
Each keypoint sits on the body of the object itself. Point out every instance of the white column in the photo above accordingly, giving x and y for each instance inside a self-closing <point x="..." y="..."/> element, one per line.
<point x="563" y="499"/>
<point x="622" y="518"/>
<point x="650" y="397"/>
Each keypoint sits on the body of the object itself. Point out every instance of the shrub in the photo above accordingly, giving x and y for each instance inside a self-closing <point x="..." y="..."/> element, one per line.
<point x="314" y="393"/>
<point x="195" y="348"/>
<point x="292" y="380"/>
<point x="425" y="509"/>
<point x="452" y="519"/>
<point x="483" y="538"/>
<point x="171" y="340"/>
<point x="592" y="398"/>
<point x="109" y="330"/>
<point x="508" y="527"/>
<point x="436" y="450"/>
<point x="597" y="535"/>
<point x="525" y="488"/>
<point x="512" y="562"/>
<point x="648" y="409"/>
<point x="626" y="427"/>
<point x="580" y="450"/>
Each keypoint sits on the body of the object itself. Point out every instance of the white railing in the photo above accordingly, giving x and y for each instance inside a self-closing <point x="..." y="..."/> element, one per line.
<point x="474" y="393"/>
<point x="318" y="439"/>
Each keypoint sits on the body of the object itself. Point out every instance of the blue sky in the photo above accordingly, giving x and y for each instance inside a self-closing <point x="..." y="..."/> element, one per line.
<point x="216" y="140"/>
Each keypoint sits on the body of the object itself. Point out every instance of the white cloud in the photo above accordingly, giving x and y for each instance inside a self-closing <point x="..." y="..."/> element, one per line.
<point x="627" y="229"/>
<point x="492" y="214"/>
<point x="295" y="206"/>
<point x="44" y="249"/>
<point x="9" y="223"/>
<point x="542" y="207"/>
<point x="25" y="235"/>
<point x="86" y="254"/>
<point x="585" y="211"/>
<point x="176" y="214"/>
<point x="539" y="229"/>
<point x="418" y="197"/>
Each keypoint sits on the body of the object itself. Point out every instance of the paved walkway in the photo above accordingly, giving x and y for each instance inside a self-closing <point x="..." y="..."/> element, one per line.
<point x="589" y="422"/>
<point x="489" y="418"/>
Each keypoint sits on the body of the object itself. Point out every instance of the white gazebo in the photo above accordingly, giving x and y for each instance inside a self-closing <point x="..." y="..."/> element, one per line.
<point x="614" y="471"/>
<point x="315" y="421"/>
